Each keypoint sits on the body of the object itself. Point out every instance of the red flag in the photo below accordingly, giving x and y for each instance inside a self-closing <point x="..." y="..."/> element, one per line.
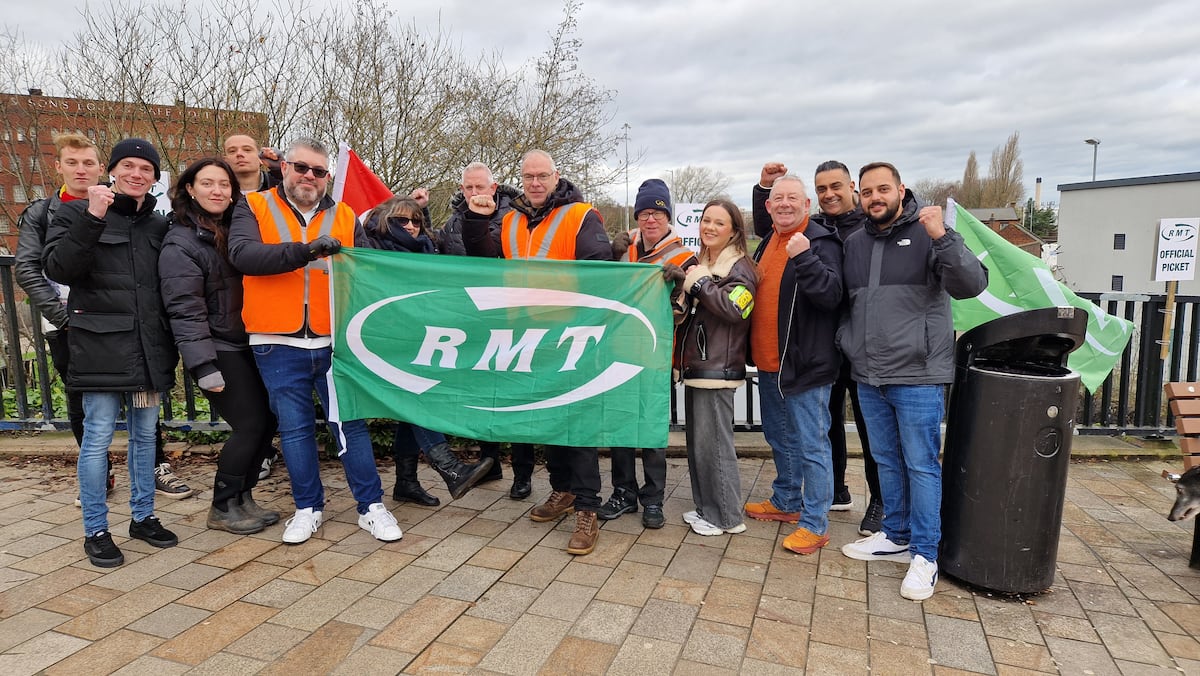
<point x="356" y="185"/>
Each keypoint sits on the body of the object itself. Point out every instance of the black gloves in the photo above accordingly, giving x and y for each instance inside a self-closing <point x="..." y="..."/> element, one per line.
<point x="620" y="245"/>
<point x="325" y="245"/>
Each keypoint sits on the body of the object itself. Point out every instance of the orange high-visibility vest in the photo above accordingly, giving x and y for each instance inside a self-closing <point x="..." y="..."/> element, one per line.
<point x="276" y="303"/>
<point x="669" y="250"/>
<point x="553" y="238"/>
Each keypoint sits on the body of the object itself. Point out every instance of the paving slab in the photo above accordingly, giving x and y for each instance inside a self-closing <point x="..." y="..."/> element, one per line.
<point x="475" y="586"/>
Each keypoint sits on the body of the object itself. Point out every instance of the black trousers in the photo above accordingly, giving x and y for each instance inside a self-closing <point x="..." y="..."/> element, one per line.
<point x="654" y="472"/>
<point x="60" y="354"/>
<point x="574" y="469"/>
<point x="522" y="457"/>
<point x="245" y="406"/>
<point x="837" y="433"/>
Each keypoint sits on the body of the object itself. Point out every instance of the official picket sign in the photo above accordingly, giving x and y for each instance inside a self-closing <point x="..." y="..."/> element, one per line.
<point x="687" y="224"/>
<point x="1175" y="250"/>
<point x="553" y="352"/>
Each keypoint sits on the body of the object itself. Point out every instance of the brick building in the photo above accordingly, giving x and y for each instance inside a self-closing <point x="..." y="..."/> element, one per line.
<point x="29" y="122"/>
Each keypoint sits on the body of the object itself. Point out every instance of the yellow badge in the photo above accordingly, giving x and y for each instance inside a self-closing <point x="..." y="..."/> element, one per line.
<point x="743" y="299"/>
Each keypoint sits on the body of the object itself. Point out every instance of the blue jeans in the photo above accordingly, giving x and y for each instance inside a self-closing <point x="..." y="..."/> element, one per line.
<point x="903" y="422"/>
<point x="797" y="428"/>
<point x="290" y="375"/>
<point x="100" y="410"/>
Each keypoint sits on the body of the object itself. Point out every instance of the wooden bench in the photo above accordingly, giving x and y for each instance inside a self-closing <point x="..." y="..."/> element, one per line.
<point x="1184" y="400"/>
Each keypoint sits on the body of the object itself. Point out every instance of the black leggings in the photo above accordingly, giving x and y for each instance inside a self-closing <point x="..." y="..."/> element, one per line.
<point x="244" y="405"/>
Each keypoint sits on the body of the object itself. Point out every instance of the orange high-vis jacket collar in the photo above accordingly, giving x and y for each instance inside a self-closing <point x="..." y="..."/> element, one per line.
<point x="277" y="303"/>
<point x="553" y="238"/>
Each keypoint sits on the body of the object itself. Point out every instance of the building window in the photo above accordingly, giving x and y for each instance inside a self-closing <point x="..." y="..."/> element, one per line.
<point x="1" y="193"/>
<point x="39" y="191"/>
<point x="5" y="225"/>
<point x="34" y="164"/>
<point x="1119" y="241"/>
<point x="20" y="135"/>
<point x="1118" y="283"/>
<point x="19" y="194"/>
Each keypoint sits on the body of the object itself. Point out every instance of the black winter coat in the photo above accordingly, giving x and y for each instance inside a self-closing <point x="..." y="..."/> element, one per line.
<point x="203" y="296"/>
<point x="591" y="244"/>
<point x="451" y="233"/>
<point x="31" y="242"/>
<point x="120" y="340"/>
<point x="810" y="299"/>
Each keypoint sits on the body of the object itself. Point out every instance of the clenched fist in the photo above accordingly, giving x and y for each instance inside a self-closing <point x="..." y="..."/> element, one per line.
<point x="100" y="197"/>
<point x="483" y="205"/>
<point x="797" y="245"/>
<point x="931" y="218"/>
<point x="770" y="172"/>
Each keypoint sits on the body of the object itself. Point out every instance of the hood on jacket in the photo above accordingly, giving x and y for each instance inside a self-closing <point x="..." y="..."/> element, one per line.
<point x="910" y="207"/>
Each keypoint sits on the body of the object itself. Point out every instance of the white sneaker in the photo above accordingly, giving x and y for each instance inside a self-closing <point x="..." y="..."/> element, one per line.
<point x="691" y="517"/>
<point x="267" y="463"/>
<point x="920" y="580"/>
<point x="301" y="527"/>
<point x="380" y="522"/>
<point x="702" y="527"/>
<point x="740" y="528"/>
<point x="877" y="547"/>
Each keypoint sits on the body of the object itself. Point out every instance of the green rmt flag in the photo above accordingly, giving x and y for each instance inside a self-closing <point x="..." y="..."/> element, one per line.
<point x="1018" y="281"/>
<point x="555" y="352"/>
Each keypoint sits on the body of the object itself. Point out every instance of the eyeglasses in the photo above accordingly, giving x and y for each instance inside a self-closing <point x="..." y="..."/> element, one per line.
<point x="403" y="221"/>
<point x="302" y="169"/>
<point x="540" y="178"/>
<point x="651" y="215"/>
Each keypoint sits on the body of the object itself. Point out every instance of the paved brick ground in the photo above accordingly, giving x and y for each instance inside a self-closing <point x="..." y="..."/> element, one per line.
<point x="476" y="587"/>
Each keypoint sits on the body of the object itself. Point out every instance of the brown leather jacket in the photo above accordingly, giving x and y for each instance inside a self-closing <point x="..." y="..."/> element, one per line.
<point x="711" y="341"/>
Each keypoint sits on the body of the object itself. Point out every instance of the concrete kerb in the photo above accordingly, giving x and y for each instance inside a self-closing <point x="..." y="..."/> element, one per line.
<point x="749" y="445"/>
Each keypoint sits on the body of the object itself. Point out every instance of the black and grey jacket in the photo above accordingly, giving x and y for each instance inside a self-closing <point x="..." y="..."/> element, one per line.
<point x="45" y="295"/>
<point x="450" y="236"/>
<point x="898" y="329"/>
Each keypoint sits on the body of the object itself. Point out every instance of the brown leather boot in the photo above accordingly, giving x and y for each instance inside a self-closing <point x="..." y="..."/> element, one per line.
<point x="587" y="532"/>
<point x="559" y="503"/>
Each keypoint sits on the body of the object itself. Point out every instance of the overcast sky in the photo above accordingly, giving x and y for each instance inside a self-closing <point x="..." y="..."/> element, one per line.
<point x="730" y="84"/>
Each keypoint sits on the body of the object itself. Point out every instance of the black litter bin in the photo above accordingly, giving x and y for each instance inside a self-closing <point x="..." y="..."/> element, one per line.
<point x="1008" y="445"/>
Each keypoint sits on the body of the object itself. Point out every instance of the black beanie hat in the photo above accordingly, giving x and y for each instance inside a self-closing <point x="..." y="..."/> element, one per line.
<point x="135" y="147"/>
<point x="652" y="194"/>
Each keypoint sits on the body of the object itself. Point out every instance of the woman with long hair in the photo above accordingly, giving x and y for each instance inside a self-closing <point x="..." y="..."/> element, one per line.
<point x="710" y="349"/>
<point x="203" y="296"/>
<point x="399" y="225"/>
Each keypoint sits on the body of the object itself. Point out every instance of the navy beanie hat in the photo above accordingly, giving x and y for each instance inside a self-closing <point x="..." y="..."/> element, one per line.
<point x="652" y="194"/>
<point x="135" y="147"/>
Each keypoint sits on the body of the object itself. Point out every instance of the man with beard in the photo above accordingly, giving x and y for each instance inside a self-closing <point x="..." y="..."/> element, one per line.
<point x="549" y="220"/>
<point x="278" y="240"/>
<point x="900" y="272"/>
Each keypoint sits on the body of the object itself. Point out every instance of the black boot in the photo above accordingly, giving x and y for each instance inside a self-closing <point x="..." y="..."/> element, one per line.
<point x="459" y="477"/>
<point x="407" y="486"/>
<point x="226" y="512"/>
<point x="269" y="517"/>
<point x="491" y="449"/>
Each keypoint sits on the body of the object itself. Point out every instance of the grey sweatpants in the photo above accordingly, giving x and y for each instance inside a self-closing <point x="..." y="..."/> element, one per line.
<point x="712" y="459"/>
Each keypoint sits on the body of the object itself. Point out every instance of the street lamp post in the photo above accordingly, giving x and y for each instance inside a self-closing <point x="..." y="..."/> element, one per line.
<point x="626" y="210"/>
<point x="1095" y="144"/>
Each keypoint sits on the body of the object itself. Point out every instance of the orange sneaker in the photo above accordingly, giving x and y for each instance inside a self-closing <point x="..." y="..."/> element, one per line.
<point x="765" y="511"/>
<point x="804" y="541"/>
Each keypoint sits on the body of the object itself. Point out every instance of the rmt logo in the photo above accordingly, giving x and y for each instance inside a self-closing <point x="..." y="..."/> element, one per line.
<point x="524" y="345"/>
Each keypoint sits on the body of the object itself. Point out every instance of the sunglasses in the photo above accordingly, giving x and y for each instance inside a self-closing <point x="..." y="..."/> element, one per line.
<point x="403" y="221"/>
<point x="302" y="169"/>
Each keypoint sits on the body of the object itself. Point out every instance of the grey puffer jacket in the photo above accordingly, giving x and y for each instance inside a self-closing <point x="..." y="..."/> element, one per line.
<point x="898" y="329"/>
